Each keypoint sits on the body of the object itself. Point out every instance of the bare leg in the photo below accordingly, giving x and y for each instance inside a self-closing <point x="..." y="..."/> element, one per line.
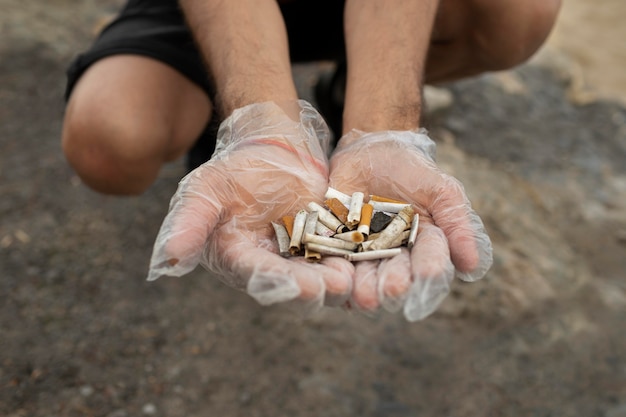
<point x="473" y="36"/>
<point x="127" y="116"/>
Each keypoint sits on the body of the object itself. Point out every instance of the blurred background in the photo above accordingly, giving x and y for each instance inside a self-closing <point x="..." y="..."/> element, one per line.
<point x="541" y="151"/>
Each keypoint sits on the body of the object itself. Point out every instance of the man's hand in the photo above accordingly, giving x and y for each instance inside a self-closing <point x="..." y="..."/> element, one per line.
<point x="270" y="161"/>
<point x="400" y="165"/>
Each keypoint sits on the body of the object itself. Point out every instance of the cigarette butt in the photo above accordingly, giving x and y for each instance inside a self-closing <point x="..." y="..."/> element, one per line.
<point x="372" y="255"/>
<point x="296" y="234"/>
<point x="401" y="239"/>
<point x="330" y="242"/>
<point x="288" y="221"/>
<point x="365" y="246"/>
<point x="332" y="193"/>
<point x="413" y="232"/>
<point x="338" y="209"/>
<point x="310" y="222"/>
<point x="388" y="207"/>
<point x="393" y="230"/>
<point x="353" y="236"/>
<point x="327" y="218"/>
<point x="327" y="250"/>
<point x="380" y="199"/>
<point x="283" y="239"/>
<point x="323" y="230"/>
<point x="366" y="219"/>
<point x="354" y="214"/>
<point x="311" y="255"/>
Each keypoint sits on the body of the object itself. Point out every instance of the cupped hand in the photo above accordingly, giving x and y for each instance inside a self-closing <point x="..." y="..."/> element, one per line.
<point x="270" y="161"/>
<point x="451" y="240"/>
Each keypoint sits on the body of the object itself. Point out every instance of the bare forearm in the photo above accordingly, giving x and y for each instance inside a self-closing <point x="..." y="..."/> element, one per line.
<point x="386" y="45"/>
<point x="244" y="44"/>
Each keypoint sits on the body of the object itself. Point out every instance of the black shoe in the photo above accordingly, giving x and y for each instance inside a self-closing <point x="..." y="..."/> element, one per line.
<point x="204" y="147"/>
<point x="330" y="95"/>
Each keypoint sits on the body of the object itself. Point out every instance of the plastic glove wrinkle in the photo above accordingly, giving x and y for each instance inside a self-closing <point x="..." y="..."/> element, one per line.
<point x="394" y="281"/>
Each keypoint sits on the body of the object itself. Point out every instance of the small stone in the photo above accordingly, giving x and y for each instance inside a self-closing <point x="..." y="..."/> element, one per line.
<point x="437" y="98"/>
<point x="86" y="390"/>
<point x="149" y="409"/>
<point x="380" y="220"/>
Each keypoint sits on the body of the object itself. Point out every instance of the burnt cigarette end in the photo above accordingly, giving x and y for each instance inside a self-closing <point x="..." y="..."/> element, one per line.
<point x="379" y="221"/>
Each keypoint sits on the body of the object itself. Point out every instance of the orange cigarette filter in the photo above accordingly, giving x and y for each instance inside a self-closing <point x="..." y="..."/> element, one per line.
<point x="338" y="209"/>
<point x="386" y="200"/>
<point x="288" y="221"/>
<point x="366" y="215"/>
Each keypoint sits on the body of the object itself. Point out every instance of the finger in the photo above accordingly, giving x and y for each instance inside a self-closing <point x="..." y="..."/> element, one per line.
<point x="432" y="273"/>
<point x="278" y="280"/>
<point x="394" y="281"/>
<point x="250" y="262"/>
<point x="194" y="212"/>
<point x="470" y="246"/>
<point x="247" y="259"/>
<point x="365" y="289"/>
<point x="338" y="276"/>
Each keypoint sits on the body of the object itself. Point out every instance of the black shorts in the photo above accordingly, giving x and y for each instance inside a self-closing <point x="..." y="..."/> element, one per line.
<point x="157" y="29"/>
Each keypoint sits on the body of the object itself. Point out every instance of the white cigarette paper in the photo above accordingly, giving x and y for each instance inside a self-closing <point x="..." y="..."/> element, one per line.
<point x="309" y="224"/>
<point x="396" y="242"/>
<point x="329" y="241"/>
<point x="296" y="233"/>
<point x="326" y="217"/>
<point x="327" y="250"/>
<point x="283" y="239"/>
<point x="388" y="207"/>
<point x="354" y="215"/>
<point x="353" y="236"/>
<point x="401" y="239"/>
<point x="323" y="230"/>
<point x="413" y="233"/>
<point x="372" y="255"/>
<point x="332" y="193"/>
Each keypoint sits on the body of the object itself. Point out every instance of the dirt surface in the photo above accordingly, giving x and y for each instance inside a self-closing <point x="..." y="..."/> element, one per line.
<point x="544" y="334"/>
<point x="592" y="35"/>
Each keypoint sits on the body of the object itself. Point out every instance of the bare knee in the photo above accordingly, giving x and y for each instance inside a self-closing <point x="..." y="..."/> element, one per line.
<point x="509" y="32"/>
<point x="111" y="155"/>
<point x="126" y="116"/>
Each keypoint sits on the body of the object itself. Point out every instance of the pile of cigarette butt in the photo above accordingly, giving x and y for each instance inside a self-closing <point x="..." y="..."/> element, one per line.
<point x="348" y="226"/>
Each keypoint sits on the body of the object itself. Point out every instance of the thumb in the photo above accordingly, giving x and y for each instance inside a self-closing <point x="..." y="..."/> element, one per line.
<point x="470" y="246"/>
<point x="195" y="210"/>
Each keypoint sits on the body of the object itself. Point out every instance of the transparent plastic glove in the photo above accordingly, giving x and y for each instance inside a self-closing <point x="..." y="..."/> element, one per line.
<point x="270" y="161"/>
<point x="452" y="238"/>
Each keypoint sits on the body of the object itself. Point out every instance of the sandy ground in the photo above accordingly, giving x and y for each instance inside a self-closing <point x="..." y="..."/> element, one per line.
<point x="542" y="153"/>
<point x="591" y="34"/>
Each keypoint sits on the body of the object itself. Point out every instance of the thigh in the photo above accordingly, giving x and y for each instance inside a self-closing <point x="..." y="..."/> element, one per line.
<point x="473" y="36"/>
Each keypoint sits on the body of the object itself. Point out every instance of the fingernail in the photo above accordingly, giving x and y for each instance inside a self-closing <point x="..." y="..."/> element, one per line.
<point x="271" y="289"/>
<point x="425" y="296"/>
<point x="485" y="260"/>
